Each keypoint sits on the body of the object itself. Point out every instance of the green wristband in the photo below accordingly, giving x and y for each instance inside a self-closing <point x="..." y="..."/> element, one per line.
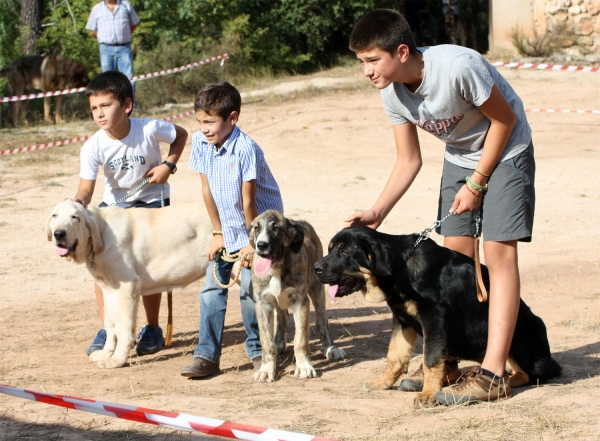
<point x="479" y="188"/>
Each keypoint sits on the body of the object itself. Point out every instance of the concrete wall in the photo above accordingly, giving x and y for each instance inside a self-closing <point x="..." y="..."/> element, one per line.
<point x="579" y="19"/>
<point x="504" y="16"/>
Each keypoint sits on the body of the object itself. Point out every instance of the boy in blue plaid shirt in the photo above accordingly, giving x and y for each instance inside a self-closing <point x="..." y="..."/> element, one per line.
<point x="237" y="186"/>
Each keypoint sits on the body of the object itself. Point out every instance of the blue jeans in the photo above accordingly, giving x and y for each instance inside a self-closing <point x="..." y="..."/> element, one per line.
<point x="213" y="304"/>
<point x="117" y="58"/>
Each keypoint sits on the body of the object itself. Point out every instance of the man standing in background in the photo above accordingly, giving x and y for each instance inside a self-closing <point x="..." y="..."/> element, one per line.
<point x="113" y="22"/>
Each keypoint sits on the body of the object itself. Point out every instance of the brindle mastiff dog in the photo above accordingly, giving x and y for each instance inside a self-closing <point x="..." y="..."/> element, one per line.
<point x="283" y="278"/>
<point x="46" y="73"/>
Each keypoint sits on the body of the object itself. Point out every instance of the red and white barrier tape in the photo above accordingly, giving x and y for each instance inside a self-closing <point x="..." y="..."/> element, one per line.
<point x="136" y="78"/>
<point x="71" y="141"/>
<point x="542" y="66"/>
<point x="181" y="421"/>
<point x="43" y="146"/>
<point x="181" y="68"/>
<point x="181" y="115"/>
<point x="595" y="112"/>
<point x="191" y="112"/>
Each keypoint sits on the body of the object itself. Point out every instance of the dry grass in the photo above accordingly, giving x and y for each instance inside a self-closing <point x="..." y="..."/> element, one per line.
<point x="586" y="323"/>
<point x="542" y="45"/>
<point x="510" y="420"/>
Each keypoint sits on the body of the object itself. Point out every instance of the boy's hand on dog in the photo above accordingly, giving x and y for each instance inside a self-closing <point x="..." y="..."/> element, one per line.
<point x="216" y="244"/>
<point x="465" y="201"/>
<point x="368" y="218"/>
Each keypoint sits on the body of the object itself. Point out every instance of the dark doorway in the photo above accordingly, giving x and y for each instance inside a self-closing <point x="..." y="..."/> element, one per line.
<point x="462" y="22"/>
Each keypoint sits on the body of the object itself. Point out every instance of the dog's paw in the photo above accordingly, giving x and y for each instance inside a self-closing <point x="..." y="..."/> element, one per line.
<point x="266" y="373"/>
<point x="280" y="347"/>
<point x="334" y="353"/>
<point x="378" y="384"/>
<point x="424" y="399"/>
<point x="100" y="355"/>
<point x="112" y="363"/>
<point x="305" y="370"/>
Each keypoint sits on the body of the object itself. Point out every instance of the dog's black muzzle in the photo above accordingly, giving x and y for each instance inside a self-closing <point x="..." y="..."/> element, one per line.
<point x="60" y="236"/>
<point x="346" y="284"/>
<point x="323" y="272"/>
<point x="269" y="250"/>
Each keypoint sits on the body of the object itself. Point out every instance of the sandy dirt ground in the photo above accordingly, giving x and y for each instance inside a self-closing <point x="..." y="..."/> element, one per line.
<point x="331" y="149"/>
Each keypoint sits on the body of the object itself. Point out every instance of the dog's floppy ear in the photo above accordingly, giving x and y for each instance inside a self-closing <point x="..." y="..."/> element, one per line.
<point x="379" y="256"/>
<point x="251" y="232"/>
<point x="48" y="229"/>
<point x="297" y="234"/>
<point x="95" y="238"/>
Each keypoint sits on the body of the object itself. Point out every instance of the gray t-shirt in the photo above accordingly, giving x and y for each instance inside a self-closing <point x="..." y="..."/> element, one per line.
<point x="456" y="80"/>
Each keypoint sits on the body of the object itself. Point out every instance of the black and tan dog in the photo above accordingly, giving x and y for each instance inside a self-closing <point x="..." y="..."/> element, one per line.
<point x="46" y="73"/>
<point x="283" y="279"/>
<point x="431" y="292"/>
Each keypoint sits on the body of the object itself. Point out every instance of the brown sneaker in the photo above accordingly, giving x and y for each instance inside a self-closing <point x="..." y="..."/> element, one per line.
<point x="414" y="382"/>
<point x="200" y="368"/>
<point x="474" y="386"/>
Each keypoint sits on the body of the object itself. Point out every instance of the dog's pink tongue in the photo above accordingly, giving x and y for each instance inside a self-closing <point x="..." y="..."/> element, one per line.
<point x="61" y="251"/>
<point x="262" y="265"/>
<point x="332" y="291"/>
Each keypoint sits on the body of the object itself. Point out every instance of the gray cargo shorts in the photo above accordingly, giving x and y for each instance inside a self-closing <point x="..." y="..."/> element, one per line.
<point x="508" y="206"/>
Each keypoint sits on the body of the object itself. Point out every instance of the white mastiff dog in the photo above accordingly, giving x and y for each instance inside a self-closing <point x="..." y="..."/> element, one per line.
<point x="131" y="253"/>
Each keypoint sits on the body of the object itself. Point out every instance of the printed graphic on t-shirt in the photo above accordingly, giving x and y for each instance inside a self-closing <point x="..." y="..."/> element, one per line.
<point x="126" y="162"/>
<point x="437" y="127"/>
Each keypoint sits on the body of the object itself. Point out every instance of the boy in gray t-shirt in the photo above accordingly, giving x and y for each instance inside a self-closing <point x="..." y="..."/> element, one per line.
<point x="456" y="95"/>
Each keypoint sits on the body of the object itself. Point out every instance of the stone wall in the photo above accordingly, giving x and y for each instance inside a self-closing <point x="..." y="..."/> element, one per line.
<point x="578" y="21"/>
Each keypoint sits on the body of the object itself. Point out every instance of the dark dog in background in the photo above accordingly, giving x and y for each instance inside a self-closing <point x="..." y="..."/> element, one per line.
<point x="283" y="279"/>
<point x="431" y="292"/>
<point x="46" y="73"/>
<point x="459" y="28"/>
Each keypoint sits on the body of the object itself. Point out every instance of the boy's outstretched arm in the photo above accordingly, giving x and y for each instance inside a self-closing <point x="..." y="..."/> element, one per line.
<point x="502" y="121"/>
<point x="250" y="212"/>
<point x="160" y="174"/>
<point x="85" y="192"/>
<point x="217" y="241"/>
<point x="407" y="166"/>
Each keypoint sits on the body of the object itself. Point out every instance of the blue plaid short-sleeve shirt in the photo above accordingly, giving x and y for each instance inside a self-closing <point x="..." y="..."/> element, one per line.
<point x="113" y="28"/>
<point x="239" y="160"/>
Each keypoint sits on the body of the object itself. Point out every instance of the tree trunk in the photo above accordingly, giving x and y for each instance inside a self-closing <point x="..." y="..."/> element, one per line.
<point x="31" y="15"/>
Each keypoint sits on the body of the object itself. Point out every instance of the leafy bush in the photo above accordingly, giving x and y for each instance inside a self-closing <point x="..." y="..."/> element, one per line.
<point x="262" y="37"/>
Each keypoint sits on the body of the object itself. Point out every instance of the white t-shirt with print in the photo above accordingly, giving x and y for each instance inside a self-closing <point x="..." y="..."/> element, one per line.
<point x="126" y="161"/>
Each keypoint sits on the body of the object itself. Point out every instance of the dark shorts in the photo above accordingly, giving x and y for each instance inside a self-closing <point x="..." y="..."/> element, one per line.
<point x="140" y="204"/>
<point x="508" y="206"/>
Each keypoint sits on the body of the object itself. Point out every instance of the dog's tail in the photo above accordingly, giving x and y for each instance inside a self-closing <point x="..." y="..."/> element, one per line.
<point x="532" y="350"/>
<point x="545" y="369"/>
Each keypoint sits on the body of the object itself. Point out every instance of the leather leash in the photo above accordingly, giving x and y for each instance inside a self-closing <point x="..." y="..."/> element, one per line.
<point x="222" y="254"/>
<point x="482" y="294"/>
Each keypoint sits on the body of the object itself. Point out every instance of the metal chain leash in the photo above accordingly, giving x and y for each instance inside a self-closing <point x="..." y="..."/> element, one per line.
<point x="477" y="221"/>
<point x="138" y="188"/>
<point x="424" y="234"/>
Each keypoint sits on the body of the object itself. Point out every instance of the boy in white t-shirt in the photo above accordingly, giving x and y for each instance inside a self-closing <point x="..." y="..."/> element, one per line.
<point x="128" y="151"/>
